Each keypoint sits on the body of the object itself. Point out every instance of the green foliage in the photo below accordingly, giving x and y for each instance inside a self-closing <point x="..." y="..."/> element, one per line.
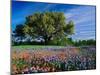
<point x="90" y="42"/>
<point x="48" y="26"/>
<point x="19" y="32"/>
<point x="69" y="29"/>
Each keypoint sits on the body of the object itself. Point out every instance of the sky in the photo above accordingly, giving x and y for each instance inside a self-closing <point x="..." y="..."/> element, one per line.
<point x="82" y="15"/>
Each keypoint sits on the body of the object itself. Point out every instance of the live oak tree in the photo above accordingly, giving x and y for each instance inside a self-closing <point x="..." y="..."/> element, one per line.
<point x="48" y="26"/>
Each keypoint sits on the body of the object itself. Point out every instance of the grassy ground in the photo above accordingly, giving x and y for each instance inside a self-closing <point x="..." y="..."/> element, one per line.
<point x="35" y="47"/>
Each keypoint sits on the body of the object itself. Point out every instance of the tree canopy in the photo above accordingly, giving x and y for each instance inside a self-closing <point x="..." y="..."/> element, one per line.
<point x="47" y="26"/>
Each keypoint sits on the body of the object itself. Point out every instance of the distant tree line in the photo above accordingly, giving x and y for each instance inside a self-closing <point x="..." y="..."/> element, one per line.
<point x="90" y="42"/>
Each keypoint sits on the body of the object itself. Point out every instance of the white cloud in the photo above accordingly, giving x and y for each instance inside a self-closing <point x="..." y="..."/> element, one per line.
<point x="84" y="20"/>
<point x="80" y="15"/>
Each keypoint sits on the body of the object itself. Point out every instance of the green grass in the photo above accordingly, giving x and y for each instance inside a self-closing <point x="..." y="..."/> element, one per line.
<point x="35" y="47"/>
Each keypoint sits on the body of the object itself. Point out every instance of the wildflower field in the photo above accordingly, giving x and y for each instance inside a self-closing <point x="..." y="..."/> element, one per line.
<point x="41" y="59"/>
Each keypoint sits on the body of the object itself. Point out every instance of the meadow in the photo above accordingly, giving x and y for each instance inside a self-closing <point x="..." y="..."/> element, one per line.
<point x="40" y="59"/>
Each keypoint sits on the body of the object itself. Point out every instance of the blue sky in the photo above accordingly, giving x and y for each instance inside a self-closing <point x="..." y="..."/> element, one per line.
<point x="82" y="15"/>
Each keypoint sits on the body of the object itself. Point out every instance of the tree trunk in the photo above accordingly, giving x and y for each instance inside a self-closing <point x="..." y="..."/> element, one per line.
<point x="46" y="42"/>
<point x="47" y="39"/>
